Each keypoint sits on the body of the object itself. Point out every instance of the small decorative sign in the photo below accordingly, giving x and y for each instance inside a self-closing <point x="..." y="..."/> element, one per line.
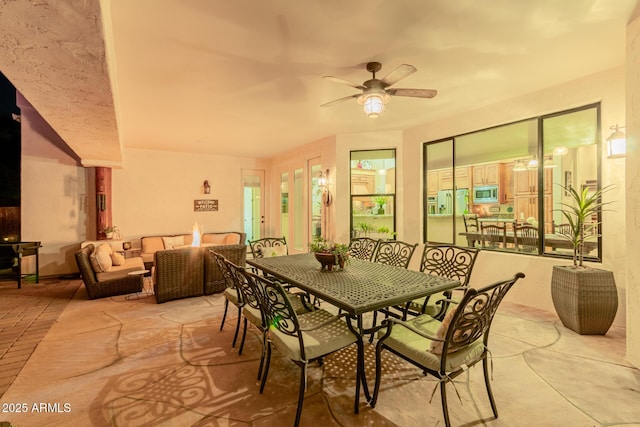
<point x="205" y="205"/>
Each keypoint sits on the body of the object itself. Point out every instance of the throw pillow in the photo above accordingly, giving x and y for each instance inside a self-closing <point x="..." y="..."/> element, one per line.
<point x="117" y="258"/>
<point x="273" y="251"/>
<point x="437" y="346"/>
<point x="100" y="261"/>
<point x="173" y="242"/>
<point x="104" y="247"/>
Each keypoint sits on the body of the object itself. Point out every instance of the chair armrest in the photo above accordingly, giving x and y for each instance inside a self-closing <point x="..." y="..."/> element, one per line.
<point x="391" y="321"/>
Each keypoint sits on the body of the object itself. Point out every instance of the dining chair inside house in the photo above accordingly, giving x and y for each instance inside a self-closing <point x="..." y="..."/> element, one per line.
<point x="471" y="225"/>
<point x="394" y="252"/>
<point x="471" y="222"/>
<point x="450" y="261"/>
<point x="303" y="338"/>
<point x="231" y="293"/>
<point x="363" y="248"/>
<point x="526" y="238"/>
<point x="493" y="236"/>
<point x="447" y="348"/>
<point x="564" y="228"/>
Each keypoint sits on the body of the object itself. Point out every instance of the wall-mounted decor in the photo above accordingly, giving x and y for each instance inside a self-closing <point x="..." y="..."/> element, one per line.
<point x="205" y="205"/>
<point x="206" y="188"/>
<point x="568" y="182"/>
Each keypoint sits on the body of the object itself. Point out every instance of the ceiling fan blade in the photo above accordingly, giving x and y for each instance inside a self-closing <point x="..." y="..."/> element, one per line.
<point x="344" y="82"/>
<point x="400" y="72"/>
<point x="415" y="93"/>
<point x="337" y="101"/>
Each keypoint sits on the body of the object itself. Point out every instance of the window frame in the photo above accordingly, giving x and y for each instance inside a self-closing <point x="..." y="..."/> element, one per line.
<point x="597" y="107"/>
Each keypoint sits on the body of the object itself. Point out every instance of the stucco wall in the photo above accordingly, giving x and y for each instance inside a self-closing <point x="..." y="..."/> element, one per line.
<point x="153" y="194"/>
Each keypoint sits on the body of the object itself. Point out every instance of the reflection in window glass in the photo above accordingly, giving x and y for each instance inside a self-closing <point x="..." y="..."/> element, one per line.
<point x="373" y="187"/>
<point x="502" y="188"/>
<point x="571" y="157"/>
<point x="316" y="203"/>
<point x="284" y="204"/>
<point x="298" y="218"/>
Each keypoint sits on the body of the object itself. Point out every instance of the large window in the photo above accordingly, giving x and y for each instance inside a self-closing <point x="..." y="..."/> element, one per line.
<point x="373" y="193"/>
<point x="502" y="188"/>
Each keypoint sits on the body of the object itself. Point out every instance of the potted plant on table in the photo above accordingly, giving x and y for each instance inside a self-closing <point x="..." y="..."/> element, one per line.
<point x="584" y="297"/>
<point x="111" y="231"/>
<point x="329" y="254"/>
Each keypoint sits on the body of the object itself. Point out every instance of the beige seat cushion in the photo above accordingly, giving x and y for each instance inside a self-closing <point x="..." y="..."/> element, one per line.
<point x="319" y="342"/>
<point x="418" y="348"/>
<point x="120" y="271"/>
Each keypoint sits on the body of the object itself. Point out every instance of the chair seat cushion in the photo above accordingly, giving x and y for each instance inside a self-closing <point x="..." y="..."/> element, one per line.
<point x="120" y="271"/>
<point x="318" y="342"/>
<point x="418" y="348"/>
<point x="231" y="295"/>
<point x="253" y="315"/>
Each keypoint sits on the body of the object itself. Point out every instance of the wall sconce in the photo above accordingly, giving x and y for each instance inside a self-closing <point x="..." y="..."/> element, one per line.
<point x="616" y="144"/>
<point x="206" y="187"/>
<point x="549" y="163"/>
<point x="323" y="182"/>
<point x="532" y="164"/>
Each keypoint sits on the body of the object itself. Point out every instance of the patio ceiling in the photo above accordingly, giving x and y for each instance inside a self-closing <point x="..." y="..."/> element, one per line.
<point x="243" y="78"/>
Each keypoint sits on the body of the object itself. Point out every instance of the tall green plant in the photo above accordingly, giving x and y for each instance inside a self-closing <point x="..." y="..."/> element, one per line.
<point x="584" y="205"/>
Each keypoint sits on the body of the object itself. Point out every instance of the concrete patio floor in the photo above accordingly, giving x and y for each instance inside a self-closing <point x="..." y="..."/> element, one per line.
<point x="132" y="362"/>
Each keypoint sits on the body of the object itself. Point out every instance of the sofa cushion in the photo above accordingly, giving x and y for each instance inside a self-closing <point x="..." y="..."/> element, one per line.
<point x="120" y="271"/>
<point x="151" y="245"/>
<point x="117" y="258"/>
<point x="101" y="258"/>
<point x="221" y="238"/>
<point x="173" y="242"/>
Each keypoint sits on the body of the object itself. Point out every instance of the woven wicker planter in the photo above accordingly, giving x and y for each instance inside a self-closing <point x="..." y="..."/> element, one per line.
<point x="586" y="300"/>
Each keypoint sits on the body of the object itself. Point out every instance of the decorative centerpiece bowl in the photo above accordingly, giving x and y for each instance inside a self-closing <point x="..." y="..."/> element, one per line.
<point x="327" y="260"/>
<point x="330" y="255"/>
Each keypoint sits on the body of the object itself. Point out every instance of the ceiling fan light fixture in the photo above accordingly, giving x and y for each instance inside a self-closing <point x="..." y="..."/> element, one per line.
<point x="519" y="166"/>
<point x="560" y="151"/>
<point x="532" y="164"/>
<point x="373" y="105"/>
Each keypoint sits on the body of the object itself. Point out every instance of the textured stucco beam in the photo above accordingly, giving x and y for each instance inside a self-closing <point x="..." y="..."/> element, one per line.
<point x="54" y="54"/>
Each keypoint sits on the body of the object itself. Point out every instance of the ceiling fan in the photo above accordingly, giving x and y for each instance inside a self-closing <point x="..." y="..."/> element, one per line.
<point x="376" y="93"/>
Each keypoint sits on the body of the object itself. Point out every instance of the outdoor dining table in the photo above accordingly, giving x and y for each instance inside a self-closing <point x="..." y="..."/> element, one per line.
<point x="359" y="288"/>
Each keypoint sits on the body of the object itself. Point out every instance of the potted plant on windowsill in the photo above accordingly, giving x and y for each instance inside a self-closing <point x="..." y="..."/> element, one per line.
<point x="329" y="254"/>
<point x="584" y="297"/>
<point x="381" y="201"/>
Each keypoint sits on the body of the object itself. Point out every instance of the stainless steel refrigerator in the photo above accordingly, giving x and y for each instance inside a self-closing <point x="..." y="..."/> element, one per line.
<point x="446" y="201"/>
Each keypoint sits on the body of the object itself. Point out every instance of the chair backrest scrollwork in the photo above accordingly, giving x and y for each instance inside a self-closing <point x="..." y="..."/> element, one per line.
<point x="394" y="252"/>
<point x="363" y="248"/>
<point x="451" y="261"/>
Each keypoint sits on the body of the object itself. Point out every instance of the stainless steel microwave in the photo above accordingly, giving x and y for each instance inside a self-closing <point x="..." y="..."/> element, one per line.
<point x="485" y="194"/>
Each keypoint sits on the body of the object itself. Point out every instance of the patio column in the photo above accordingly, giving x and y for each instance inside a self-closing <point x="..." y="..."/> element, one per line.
<point x="632" y="189"/>
<point x="103" y="201"/>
